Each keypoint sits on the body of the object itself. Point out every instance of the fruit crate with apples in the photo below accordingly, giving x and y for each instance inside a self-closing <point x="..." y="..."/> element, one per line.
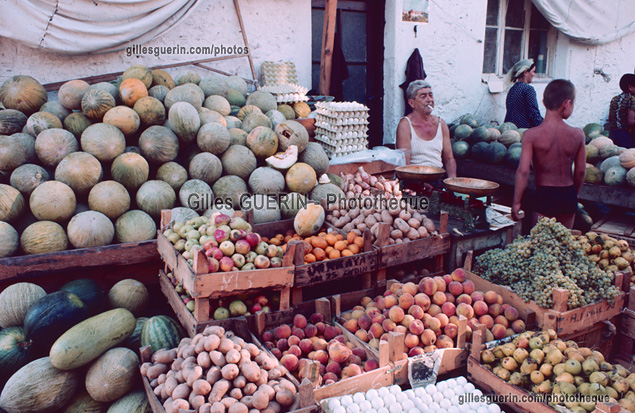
<point x="515" y="397"/>
<point x="435" y="246"/>
<point x="203" y="285"/>
<point x="566" y="323"/>
<point x="315" y="316"/>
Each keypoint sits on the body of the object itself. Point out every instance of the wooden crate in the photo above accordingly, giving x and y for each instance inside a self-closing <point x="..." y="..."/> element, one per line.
<point x="617" y="226"/>
<point x="563" y="321"/>
<point x="204" y="286"/>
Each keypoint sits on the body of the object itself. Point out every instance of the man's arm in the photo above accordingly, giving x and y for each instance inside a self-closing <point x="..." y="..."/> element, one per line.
<point x="403" y="138"/>
<point x="522" y="173"/>
<point x="446" y="154"/>
<point x="579" y="166"/>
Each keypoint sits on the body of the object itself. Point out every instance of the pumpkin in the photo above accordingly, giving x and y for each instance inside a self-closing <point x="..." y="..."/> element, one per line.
<point x="96" y="103"/>
<point x="123" y="118"/>
<point x="9" y="237"/>
<point x="301" y="178"/>
<point x="13" y="153"/>
<point x="138" y="72"/>
<point x="15" y="352"/>
<point x="52" y="145"/>
<point x="230" y="189"/>
<point x="315" y="156"/>
<point x="133" y="402"/>
<point x="184" y="121"/>
<point x="40" y="121"/>
<point x="206" y="167"/>
<point x="103" y="141"/>
<point x="238" y="160"/>
<point x="627" y="158"/>
<point x="309" y="220"/>
<point x="159" y="144"/>
<point x="158" y="92"/>
<point x="71" y="93"/>
<point x="135" y="226"/>
<point x="80" y="171"/>
<point x="185" y="93"/>
<point x="39" y="387"/>
<point x="76" y="123"/>
<point x="129" y="294"/>
<point x="27" y="177"/>
<point x="132" y="90"/>
<point x="600" y="142"/>
<point x="90" y="229"/>
<point x="11" y="203"/>
<point x="196" y="194"/>
<point x="11" y="121"/>
<point x="162" y="78"/>
<point x="172" y="173"/>
<point x="110" y="198"/>
<point x="57" y="109"/>
<point x="266" y="180"/>
<point x="42" y="237"/>
<point x="15" y="301"/>
<point x="130" y="169"/>
<point x="150" y="111"/>
<point x="209" y="116"/>
<point x="153" y="196"/>
<point x="160" y="332"/>
<point x="23" y="93"/>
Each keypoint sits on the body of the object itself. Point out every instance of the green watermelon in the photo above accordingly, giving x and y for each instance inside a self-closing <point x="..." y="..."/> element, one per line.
<point x="592" y="129"/>
<point x="15" y="352"/>
<point x="507" y="126"/>
<point x="468" y="119"/>
<point x="160" y="332"/>
<point x="460" y="149"/>
<point x="452" y="127"/>
<point x="89" y="292"/>
<point x="495" y="153"/>
<point x="481" y="134"/>
<point x="133" y="342"/>
<point x="478" y="151"/>
<point x="463" y="132"/>
<point x="615" y="175"/>
<point x="512" y="157"/>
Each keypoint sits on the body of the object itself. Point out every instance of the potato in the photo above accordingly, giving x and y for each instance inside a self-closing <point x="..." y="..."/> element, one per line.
<point x="260" y="399"/>
<point x="240" y="382"/>
<point x="144" y="368"/>
<point x="201" y="387"/>
<point x="251" y="371"/>
<point x="247" y="401"/>
<point x="423" y="232"/>
<point x="156" y="370"/>
<point x="286" y="384"/>
<point x="230" y="371"/>
<point x="245" y="356"/>
<point x="354" y="213"/>
<point x="271" y="393"/>
<point x="200" y="346"/>
<point x="252" y="349"/>
<point x="211" y="342"/>
<point x="225" y="345"/>
<point x="414" y="223"/>
<point x="413" y="234"/>
<point x="386" y="217"/>
<point x="167" y="405"/>
<point x="178" y="404"/>
<point x="170" y="384"/>
<point x="217" y="407"/>
<point x="158" y="390"/>
<point x="189" y="351"/>
<point x="196" y="339"/>
<point x="249" y="389"/>
<point x="275" y="374"/>
<point x="357" y="232"/>
<point x="268" y="363"/>
<point x="399" y="241"/>
<point x="217" y="358"/>
<point x="182" y="391"/>
<point x="164" y="356"/>
<point x="177" y="364"/>
<point x="161" y="378"/>
<point x="203" y="360"/>
<point x="179" y="376"/>
<point x="285" y="397"/>
<point x="362" y="227"/>
<point x="218" y="391"/>
<point x="236" y="393"/>
<point x="348" y="227"/>
<point x="370" y="220"/>
<point x="190" y="361"/>
<point x="404" y="215"/>
<point x="232" y="356"/>
<point x="336" y="213"/>
<point x="239" y="341"/>
<point x="214" y="330"/>
<point x="154" y="383"/>
<point x="395" y="234"/>
<point x="195" y="373"/>
<point x="429" y="225"/>
<point x="196" y="401"/>
<point x="417" y="216"/>
<point x="238" y="408"/>
<point x="205" y="408"/>
<point x="273" y="407"/>
<point x="229" y="401"/>
<point x="264" y="377"/>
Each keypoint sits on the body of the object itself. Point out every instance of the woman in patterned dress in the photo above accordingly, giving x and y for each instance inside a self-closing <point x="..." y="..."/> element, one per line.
<point x="521" y="103"/>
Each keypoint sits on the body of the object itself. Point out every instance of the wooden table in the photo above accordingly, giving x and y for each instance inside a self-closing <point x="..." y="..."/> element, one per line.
<point x="617" y="196"/>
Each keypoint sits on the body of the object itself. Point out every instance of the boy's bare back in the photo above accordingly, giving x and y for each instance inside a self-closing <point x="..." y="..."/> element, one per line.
<point x="555" y="146"/>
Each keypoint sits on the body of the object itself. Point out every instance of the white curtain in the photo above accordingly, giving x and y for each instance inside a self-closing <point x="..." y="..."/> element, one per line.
<point x="89" y="26"/>
<point x="590" y="21"/>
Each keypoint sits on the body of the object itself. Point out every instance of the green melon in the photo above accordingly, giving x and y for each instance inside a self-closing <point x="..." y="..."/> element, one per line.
<point x="160" y="332"/>
<point x="495" y="153"/>
<point x="509" y="136"/>
<point x="184" y="121"/>
<point x="254" y="120"/>
<point x="495" y="134"/>
<point x="480" y="134"/>
<point x="52" y="145"/>
<point x="172" y="173"/>
<point x="189" y="77"/>
<point x="235" y="98"/>
<point x="315" y="156"/>
<point x="27" y="177"/>
<point x="159" y="92"/>
<point x="150" y="111"/>
<point x="129" y="294"/>
<point x="463" y="132"/>
<point x="89" y="292"/>
<point x="615" y="175"/>
<point x="42" y="237"/>
<point x="13" y="153"/>
<point x="460" y="149"/>
<point x="233" y="122"/>
<point x="237" y="137"/>
<point x="479" y="150"/>
<point x="11" y="203"/>
<point x="265" y="208"/>
<point x="218" y="104"/>
<point x="237" y="83"/>
<point x="153" y="196"/>
<point x="238" y="160"/>
<point x="107" y="87"/>
<point x="292" y="133"/>
<point x="287" y="111"/>
<point x="110" y="198"/>
<point x="263" y="100"/>
<point x="138" y="72"/>
<point x="230" y="189"/>
<point x="507" y="126"/>
<point x="83" y="403"/>
<point x="29" y="142"/>
<point x="468" y="119"/>
<point x="196" y="194"/>
<point x="214" y="85"/>
<point x="10" y="239"/>
<point x="105" y="142"/>
<point x="130" y="169"/>
<point x="276" y="117"/>
<point x="159" y="144"/>
<point x="80" y="171"/>
<point x="52" y="201"/>
<point x="135" y="226"/>
<point x="57" y="109"/>
<point x="133" y="402"/>
<point x="291" y="203"/>
<point x="90" y="229"/>
<point x="188" y="94"/>
<point x="11" y="121"/>
<point x="266" y="180"/>
<point x="112" y="375"/>
<point x="213" y="137"/>
<point x="209" y="116"/>
<point x="206" y="167"/>
<point x="76" y="123"/>
<point x="247" y="110"/>
<point x="332" y="193"/>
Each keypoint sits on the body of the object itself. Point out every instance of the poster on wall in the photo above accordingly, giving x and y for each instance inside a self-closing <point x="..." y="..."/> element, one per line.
<point x="415" y="11"/>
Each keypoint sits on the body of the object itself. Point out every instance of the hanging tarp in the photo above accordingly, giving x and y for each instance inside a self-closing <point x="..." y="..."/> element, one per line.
<point x="89" y="26"/>
<point x="590" y="21"/>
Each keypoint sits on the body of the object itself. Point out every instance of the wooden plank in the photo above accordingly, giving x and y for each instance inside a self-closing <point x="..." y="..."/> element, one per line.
<point x="407" y="252"/>
<point x="328" y="38"/>
<point x="374" y="379"/>
<point x="372" y="168"/>
<point x="112" y="255"/>
<point x="324" y="271"/>
<point x="628" y="323"/>
<point x="244" y="34"/>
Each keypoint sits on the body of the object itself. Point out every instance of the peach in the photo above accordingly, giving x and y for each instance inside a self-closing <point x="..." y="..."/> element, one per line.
<point x="487" y="320"/>
<point x="351" y="325"/>
<point x="269" y="344"/>
<point x="509" y="332"/>
<point x="434" y="310"/>
<point x="320" y="327"/>
<point x="310" y="330"/>
<point x="283" y="344"/>
<point x="439" y="298"/>
<point x="448" y="309"/>
<point x="499" y="331"/>
<point x="465" y="310"/>
<point x="298" y="333"/>
<point x="433" y="324"/>
<point x="295" y="350"/>
<point x="431" y="348"/>
<point x="518" y="326"/>
<point x="354" y="360"/>
<point x="356" y="314"/>
<point x="390" y="301"/>
<point x="365" y="301"/>
<point x="428" y="286"/>
<point x="505" y="307"/>
<point x="456" y="288"/>
<point x="388" y="325"/>
<point x="376" y="330"/>
<point x="330" y="378"/>
<point x="306" y="346"/>
<point x="268" y="336"/>
<point x="411" y="340"/>
<point x="407" y="319"/>
<point x="441" y="285"/>
<point x="444" y="341"/>
<point x="463" y="298"/>
<point x="415" y="351"/>
<point x="511" y="314"/>
<point x="449" y="298"/>
<point x="400" y="329"/>
<point x="387" y="293"/>
<point x="378" y="319"/>
<point x="394" y="287"/>
<point x="491" y="297"/>
<point x="480" y="308"/>
<point x="448" y="279"/>
<point x="396" y="314"/>
<point x="499" y="299"/>
<point x="477" y="296"/>
<point x="502" y="321"/>
<point x="454" y="320"/>
<point x="468" y="334"/>
<point x="472" y="322"/>
<point x="283" y="331"/>
<point x="410" y="288"/>
<point x="359" y="353"/>
<point x="333" y="367"/>
<point x="346" y="315"/>
<point x="294" y="340"/>
<point x="372" y="311"/>
<point x="428" y="337"/>
<point x="423" y="301"/>
<point x="364" y="322"/>
<point x="322" y="356"/>
<point x="316" y="318"/>
<point x="277" y="353"/>
<point x="495" y="310"/>
<point x="416" y="311"/>
<point x="451" y="330"/>
<point x="468" y="287"/>
<point x="406" y="301"/>
<point x="443" y="318"/>
<point x="299" y="321"/>
<point x="381" y="302"/>
<point x="329" y="333"/>
<point x="459" y="275"/>
<point x="416" y="327"/>
<point x="371" y="364"/>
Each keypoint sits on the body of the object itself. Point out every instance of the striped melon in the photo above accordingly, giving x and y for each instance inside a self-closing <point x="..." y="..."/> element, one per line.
<point x="96" y="102"/>
<point x="213" y="137"/>
<point x="9" y="237"/>
<point x="133" y="402"/>
<point x="160" y="332"/>
<point x="107" y="87"/>
<point x="159" y="144"/>
<point x="135" y="226"/>
<point x="150" y="110"/>
<point x="52" y="145"/>
<point x="246" y="110"/>
<point x="40" y="121"/>
<point x="153" y="196"/>
<point x="315" y="156"/>
<point x="83" y="403"/>
<point x="23" y="93"/>
<point x="158" y="92"/>
<point x="13" y="153"/>
<point x="266" y="180"/>
<point x="105" y="142"/>
<point x="42" y="237"/>
<point x="129" y="294"/>
<point x="81" y="171"/>
<point x="124" y="118"/>
<point x="57" y="109"/>
<point x="110" y="198"/>
<point x="172" y="173"/>
<point x="52" y="201"/>
<point x="189" y="77"/>
<point x="138" y="72"/>
<point x="184" y="121"/>
<point x="206" y="167"/>
<point x="233" y="122"/>
<point x="113" y="374"/>
<point x="15" y="301"/>
<point x="90" y="229"/>
<point x="11" y="203"/>
<point x="71" y="93"/>
<point x="130" y="169"/>
<point x="76" y="123"/>
<point x="209" y="116"/>
<point x="184" y="93"/>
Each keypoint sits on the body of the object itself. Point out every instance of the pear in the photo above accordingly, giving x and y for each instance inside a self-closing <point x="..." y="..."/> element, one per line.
<point x="611" y="392"/>
<point x="487" y="356"/>
<point x="558" y="369"/>
<point x="605" y="366"/>
<point x="584" y="388"/>
<point x="567" y="388"/>
<point x="504" y="374"/>
<point x="522" y="342"/>
<point x="620" y="385"/>
<point x="520" y="354"/>
<point x="496" y="369"/>
<point x="578" y="380"/>
<point x="571" y="344"/>
<point x="554" y="357"/>
<point x="556" y="389"/>
<point x="517" y="379"/>
<point x="535" y="342"/>
<point x="621" y="370"/>
<point x="599" y="378"/>
<point x="630" y="395"/>
<point x="559" y="344"/>
<point x="508" y="349"/>
<point x="587" y="406"/>
<point x="596" y="389"/>
<point x="590" y="366"/>
<point x="544" y="387"/>
<point x="548" y="347"/>
<point x="498" y="352"/>
<point x="573" y="366"/>
<point x="544" y="337"/>
<point x="572" y="405"/>
<point x="537" y="355"/>
<point x="627" y="404"/>
<point x="586" y="352"/>
<point x="536" y="377"/>
<point x="509" y="364"/>
<point x="552" y="334"/>
<point x="546" y="370"/>
<point x="565" y="378"/>
<point x="528" y="366"/>
<point x="527" y="335"/>
<point x="575" y="354"/>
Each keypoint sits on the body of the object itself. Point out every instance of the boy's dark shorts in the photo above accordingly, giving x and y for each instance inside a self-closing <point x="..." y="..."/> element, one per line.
<point x="552" y="201"/>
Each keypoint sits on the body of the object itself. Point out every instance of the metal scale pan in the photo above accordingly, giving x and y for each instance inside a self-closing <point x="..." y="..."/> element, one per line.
<point x="471" y="186"/>
<point x="419" y="173"/>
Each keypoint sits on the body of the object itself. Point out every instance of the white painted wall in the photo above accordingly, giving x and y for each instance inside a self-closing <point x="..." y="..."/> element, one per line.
<point x="453" y="56"/>
<point x="275" y="31"/>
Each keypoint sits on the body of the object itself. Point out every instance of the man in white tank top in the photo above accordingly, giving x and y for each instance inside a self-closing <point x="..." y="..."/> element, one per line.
<point x="424" y="136"/>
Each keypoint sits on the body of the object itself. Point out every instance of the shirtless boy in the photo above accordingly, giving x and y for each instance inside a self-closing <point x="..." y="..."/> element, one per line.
<point x="552" y="148"/>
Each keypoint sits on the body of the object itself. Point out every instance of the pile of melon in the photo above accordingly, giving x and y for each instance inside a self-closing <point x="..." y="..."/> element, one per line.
<point x="98" y="163"/>
<point x="486" y="142"/>
<point x="606" y="162"/>
<point x="56" y="355"/>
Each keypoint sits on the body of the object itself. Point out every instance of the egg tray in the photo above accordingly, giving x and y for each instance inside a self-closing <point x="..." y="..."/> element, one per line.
<point x="341" y="106"/>
<point x="341" y="135"/>
<point x="341" y="126"/>
<point x="291" y="98"/>
<point x="277" y="73"/>
<point x="342" y="114"/>
<point x="284" y="88"/>
<point x="341" y="141"/>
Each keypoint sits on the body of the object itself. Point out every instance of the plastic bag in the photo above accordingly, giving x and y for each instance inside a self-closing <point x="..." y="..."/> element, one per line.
<point x="395" y="157"/>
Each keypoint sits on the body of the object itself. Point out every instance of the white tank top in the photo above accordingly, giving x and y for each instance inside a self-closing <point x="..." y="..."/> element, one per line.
<point x="424" y="152"/>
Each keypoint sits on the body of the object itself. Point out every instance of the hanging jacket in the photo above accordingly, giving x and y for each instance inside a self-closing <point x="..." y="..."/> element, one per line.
<point x="414" y="71"/>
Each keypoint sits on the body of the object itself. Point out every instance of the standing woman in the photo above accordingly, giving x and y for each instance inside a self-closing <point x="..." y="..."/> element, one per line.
<point x="424" y="136"/>
<point x="522" y="104"/>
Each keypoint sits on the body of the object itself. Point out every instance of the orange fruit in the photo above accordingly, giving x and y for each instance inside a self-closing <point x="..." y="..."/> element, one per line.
<point x="287" y="238"/>
<point x="334" y="254"/>
<point x="328" y="250"/>
<point x="353" y="248"/>
<point x="350" y="237"/>
<point x="264" y="239"/>
<point x="331" y="239"/>
<point x="309" y="258"/>
<point x="339" y="237"/>
<point x="275" y="241"/>
<point x="322" y="234"/>
<point x="359" y="241"/>
<point x="347" y="253"/>
<point x="319" y="242"/>
<point x="319" y="253"/>
<point x="340" y="245"/>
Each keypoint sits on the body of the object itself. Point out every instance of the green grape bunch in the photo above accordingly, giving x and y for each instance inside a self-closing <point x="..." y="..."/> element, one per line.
<point x="549" y="257"/>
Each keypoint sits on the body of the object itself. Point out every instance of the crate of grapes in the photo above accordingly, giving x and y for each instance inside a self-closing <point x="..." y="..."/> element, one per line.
<point x="547" y="273"/>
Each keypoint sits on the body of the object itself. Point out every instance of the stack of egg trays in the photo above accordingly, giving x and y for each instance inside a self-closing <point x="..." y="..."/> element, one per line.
<point x="341" y="127"/>
<point x="276" y="73"/>
<point x="287" y="92"/>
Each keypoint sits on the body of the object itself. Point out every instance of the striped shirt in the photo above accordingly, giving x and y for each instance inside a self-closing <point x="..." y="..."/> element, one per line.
<point x="618" y="110"/>
<point x="522" y="106"/>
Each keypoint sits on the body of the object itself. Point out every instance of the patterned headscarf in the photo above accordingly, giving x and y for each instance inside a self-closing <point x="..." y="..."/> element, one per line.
<point x="518" y="69"/>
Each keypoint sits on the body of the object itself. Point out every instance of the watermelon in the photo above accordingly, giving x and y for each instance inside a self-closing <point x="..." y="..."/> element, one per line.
<point x="592" y="129"/>
<point x="463" y="132"/>
<point x="452" y="128"/>
<point x="133" y="342"/>
<point x="460" y="149"/>
<point x="512" y="157"/>
<point x="468" y="119"/>
<point x="507" y="126"/>
<point x="481" y="134"/>
<point x="160" y="332"/>
<point x="15" y="352"/>
<point x="478" y="151"/>
<point x="89" y="292"/>
<point x="495" y="153"/>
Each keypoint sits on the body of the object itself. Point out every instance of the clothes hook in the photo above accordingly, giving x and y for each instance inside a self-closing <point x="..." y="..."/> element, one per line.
<point x="415" y="29"/>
